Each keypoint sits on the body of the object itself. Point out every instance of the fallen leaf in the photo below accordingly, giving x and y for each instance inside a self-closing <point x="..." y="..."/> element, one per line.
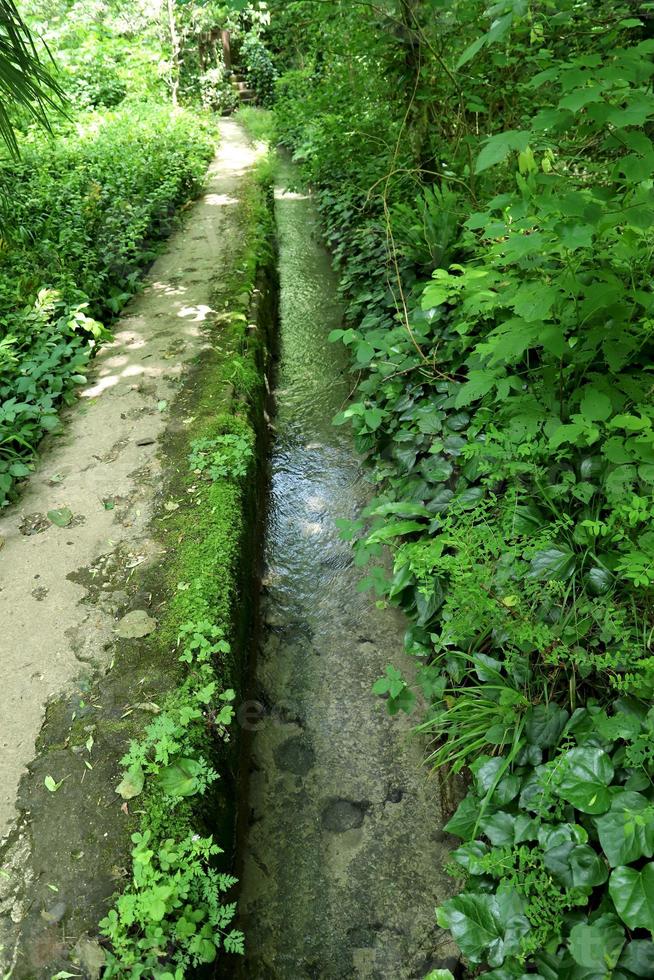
<point x="131" y="784"/>
<point x="91" y="957"/>
<point x="61" y="516"/>
<point x="149" y="706"/>
<point x="51" y="784"/>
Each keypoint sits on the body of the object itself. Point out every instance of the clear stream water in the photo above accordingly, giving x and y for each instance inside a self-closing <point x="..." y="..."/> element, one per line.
<point x="342" y="855"/>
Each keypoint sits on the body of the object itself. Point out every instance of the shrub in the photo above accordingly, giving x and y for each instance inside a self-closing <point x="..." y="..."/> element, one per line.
<point x="95" y="82"/>
<point x="259" y="69"/>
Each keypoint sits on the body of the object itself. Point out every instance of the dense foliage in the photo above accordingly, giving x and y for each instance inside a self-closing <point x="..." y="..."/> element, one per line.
<point x="80" y="217"/>
<point x="488" y="197"/>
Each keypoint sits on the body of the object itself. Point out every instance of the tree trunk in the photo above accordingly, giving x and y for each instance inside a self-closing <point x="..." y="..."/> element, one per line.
<point x="175" y="50"/>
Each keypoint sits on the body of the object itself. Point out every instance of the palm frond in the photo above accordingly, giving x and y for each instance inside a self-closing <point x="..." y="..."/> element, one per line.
<point x="24" y="79"/>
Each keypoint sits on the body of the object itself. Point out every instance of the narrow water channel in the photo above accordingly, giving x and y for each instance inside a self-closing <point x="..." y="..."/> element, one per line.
<point x="342" y="857"/>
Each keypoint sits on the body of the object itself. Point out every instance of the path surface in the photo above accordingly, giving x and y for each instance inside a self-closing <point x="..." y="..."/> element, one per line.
<point x="343" y="854"/>
<point x="106" y="470"/>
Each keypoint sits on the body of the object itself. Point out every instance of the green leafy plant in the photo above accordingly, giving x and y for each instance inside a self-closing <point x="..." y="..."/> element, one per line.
<point x="226" y="455"/>
<point x="174" y="902"/>
<point x="171" y="916"/>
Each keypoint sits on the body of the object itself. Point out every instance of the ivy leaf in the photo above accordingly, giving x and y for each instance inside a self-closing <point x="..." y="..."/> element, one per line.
<point x="485" y="927"/>
<point x="464" y="821"/>
<point x="576" y="865"/>
<point x="585" y="778"/>
<point x="633" y="896"/>
<point x="544" y="724"/>
<point x="626" y="832"/>
<point x="504" y="828"/>
<point x="638" y="958"/>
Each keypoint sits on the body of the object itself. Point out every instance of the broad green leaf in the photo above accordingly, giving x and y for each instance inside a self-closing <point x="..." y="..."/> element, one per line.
<point x="180" y="778"/>
<point x="503" y="828"/>
<point x="479" y="383"/>
<point x="626" y="832"/>
<point x="61" y="517"/>
<point x="471" y="51"/>
<point x="598" y="581"/>
<point x="586" y="774"/>
<point x="497" y="148"/>
<point x="576" y="865"/>
<point x="544" y="724"/>
<point x="581" y="97"/>
<point x="553" y="563"/>
<point x="395" y="530"/>
<point x="492" y="774"/>
<point x="597" y="946"/>
<point x="595" y="405"/>
<point x="464" y="821"/>
<point x="633" y="896"/>
<point x="638" y="958"/>
<point x="434" y="295"/>
<point x="485" y="927"/>
<point x="534" y="300"/>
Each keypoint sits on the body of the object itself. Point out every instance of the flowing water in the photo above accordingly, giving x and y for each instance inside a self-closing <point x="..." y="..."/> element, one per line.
<point x="342" y="855"/>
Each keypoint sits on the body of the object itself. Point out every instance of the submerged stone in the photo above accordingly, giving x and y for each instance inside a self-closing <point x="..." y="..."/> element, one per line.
<point x="341" y="815"/>
<point x="295" y="755"/>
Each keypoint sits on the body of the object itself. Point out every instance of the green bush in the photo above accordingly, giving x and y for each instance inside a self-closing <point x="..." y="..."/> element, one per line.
<point x="259" y="69"/>
<point x="81" y="216"/>
<point x="95" y="82"/>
